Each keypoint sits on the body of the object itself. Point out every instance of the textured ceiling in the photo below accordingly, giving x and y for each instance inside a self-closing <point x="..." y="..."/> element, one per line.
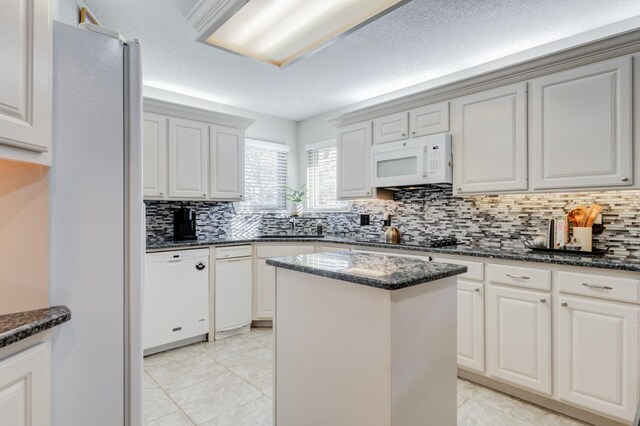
<point x="419" y="41"/>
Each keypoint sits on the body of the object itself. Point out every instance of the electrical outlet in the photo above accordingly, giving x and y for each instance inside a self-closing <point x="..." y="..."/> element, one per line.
<point x="365" y="220"/>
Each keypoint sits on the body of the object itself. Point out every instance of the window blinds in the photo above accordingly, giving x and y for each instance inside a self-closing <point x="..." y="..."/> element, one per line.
<point x="322" y="180"/>
<point x="265" y="177"/>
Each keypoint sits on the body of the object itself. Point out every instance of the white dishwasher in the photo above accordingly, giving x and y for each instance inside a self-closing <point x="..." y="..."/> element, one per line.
<point x="232" y="291"/>
<point x="176" y="299"/>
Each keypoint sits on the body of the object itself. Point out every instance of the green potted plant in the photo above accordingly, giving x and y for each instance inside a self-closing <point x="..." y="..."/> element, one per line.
<point x="296" y="198"/>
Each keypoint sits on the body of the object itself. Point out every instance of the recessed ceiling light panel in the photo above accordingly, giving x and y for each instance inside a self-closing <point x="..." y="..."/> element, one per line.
<point x="280" y="32"/>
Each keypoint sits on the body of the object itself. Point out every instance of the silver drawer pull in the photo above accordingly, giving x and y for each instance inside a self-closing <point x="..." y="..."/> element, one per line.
<point x="601" y="287"/>
<point x="565" y="304"/>
<point x="543" y="300"/>
<point x="477" y="290"/>
<point x="518" y="276"/>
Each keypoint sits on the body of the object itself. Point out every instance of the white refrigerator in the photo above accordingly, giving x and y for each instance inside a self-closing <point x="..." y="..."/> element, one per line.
<point x="97" y="228"/>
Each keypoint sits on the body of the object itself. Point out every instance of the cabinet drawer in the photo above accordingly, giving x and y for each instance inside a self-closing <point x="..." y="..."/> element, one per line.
<point x="233" y="251"/>
<point x="538" y="279"/>
<point x="475" y="270"/>
<point x="277" y="251"/>
<point x="601" y="286"/>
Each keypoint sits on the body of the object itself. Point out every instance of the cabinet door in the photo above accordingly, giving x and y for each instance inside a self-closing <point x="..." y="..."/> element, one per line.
<point x="188" y="159"/>
<point x="25" y="78"/>
<point x="598" y="366"/>
<point x="265" y="290"/>
<point x="581" y="131"/>
<point x="490" y="140"/>
<point x="471" y="325"/>
<point x="519" y="343"/>
<point x="429" y="119"/>
<point x="226" y="163"/>
<point x="391" y="128"/>
<point x="354" y="161"/>
<point x="25" y="387"/>
<point x="154" y="155"/>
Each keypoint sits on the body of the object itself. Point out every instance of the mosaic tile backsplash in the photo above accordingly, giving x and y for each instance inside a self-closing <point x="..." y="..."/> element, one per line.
<point x="497" y="221"/>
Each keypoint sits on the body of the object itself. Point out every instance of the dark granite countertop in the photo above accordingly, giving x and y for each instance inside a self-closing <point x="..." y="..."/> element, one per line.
<point x="475" y="250"/>
<point x="20" y="325"/>
<point x="373" y="270"/>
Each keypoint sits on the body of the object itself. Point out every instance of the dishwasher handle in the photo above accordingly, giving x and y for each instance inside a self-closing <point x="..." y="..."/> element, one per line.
<point x="200" y="266"/>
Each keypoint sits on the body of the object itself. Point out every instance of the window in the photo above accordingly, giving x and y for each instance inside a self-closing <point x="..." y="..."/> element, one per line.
<point x="322" y="178"/>
<point x="265" y="176"/>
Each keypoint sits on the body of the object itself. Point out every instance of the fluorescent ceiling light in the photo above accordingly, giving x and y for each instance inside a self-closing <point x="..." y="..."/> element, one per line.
<point x="281" y="31"/>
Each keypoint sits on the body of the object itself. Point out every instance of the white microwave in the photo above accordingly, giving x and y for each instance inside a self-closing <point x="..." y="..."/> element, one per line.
<point x="417" y="161"/>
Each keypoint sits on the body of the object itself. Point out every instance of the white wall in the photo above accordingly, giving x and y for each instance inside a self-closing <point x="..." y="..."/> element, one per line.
<point x="67" y="11"/>
<point x="266" y="127"/>
<point x="311" y="130"/>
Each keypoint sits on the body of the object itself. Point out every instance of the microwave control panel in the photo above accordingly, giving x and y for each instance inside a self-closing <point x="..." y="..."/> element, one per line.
<point x="439" y="160"/>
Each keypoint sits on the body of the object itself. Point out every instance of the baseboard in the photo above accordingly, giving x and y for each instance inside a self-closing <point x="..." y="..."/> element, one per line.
<point x="551" y="404"/>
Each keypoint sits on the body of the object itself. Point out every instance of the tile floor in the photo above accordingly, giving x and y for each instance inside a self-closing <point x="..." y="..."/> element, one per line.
<point x="229" y="383"/>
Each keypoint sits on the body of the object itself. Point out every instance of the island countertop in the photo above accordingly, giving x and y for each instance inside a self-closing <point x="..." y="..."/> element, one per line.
<point x="374" y="270"/>
<point x="20" y="325"/>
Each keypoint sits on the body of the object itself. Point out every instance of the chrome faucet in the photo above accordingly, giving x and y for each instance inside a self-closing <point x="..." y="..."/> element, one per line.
<point x="293" y="225"/>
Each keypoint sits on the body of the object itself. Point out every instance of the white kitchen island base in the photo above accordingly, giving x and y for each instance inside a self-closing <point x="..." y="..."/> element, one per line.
<point x="349" y="354"/>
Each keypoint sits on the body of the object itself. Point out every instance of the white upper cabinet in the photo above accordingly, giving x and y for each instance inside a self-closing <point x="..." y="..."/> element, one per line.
<point x="354" y="161"/>
<point x="391" y="128"/>
<point x="598" y="366"/>
<point x="490" y="140"/>
<point x="154" y="148"/>
<point x="188" y="158"/>
<point x="519" y="337"/>
<point x="429" y="119"/>
<point x="25" y="80"/>
<point x="581" y="127"/>
<point x="471" y="325"/>
<point x="226" y="162"/>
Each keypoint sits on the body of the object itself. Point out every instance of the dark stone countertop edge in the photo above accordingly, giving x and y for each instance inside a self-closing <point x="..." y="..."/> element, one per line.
<point x="461" y="250"/>
<point x="451" y="270"/>
<point x="30" y="323"/>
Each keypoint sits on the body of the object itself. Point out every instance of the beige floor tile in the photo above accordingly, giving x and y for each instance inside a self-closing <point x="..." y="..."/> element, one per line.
<point x="267" y="340"/>
<point x="177" y="418"/>
<point x="157" y="404"/>
<point x="212" y="398"/>
<point x="264" y="384"/>
<point x="255" y="413"/>
<point x="491" y="398"/>
<point x="231" y="346"/>
<point x="460" y="401"/>
<point x="258" y="332"/>
<point x="166" y="357"/>
<point x="175" y="375"/>
<point x="148" y="382"/>
<point x="473" y="413"/>
<point x="251" y="365"/>
<point x="540" y="416"/>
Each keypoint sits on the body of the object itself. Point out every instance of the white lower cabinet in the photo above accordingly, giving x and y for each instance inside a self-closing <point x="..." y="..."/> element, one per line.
<point x="519" y="337"/>
<point x="471" y="325"/>
<point x="25" y="385"/>
<point x="598" y="356"/>
<point x="265" y="290"/>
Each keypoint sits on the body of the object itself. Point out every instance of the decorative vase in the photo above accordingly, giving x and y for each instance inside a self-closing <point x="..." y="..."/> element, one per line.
<point x="295" y="209"/>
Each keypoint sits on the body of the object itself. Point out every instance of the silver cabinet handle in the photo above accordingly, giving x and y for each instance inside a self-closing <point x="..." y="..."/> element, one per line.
<point x="543" y="300"/>
<point x="404" y="134"/>
<point x="601" y="287"/>
<point x="518" y="276"/>
<point x="477" y="290"/>
<point x="624" y="178"/>
<point x="413" y="133"/>
<point x="565" y="304"/>
<point x="459" y="188"/>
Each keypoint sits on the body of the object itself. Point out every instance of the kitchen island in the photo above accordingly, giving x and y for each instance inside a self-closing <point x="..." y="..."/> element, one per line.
<point x="365" y="339"/>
